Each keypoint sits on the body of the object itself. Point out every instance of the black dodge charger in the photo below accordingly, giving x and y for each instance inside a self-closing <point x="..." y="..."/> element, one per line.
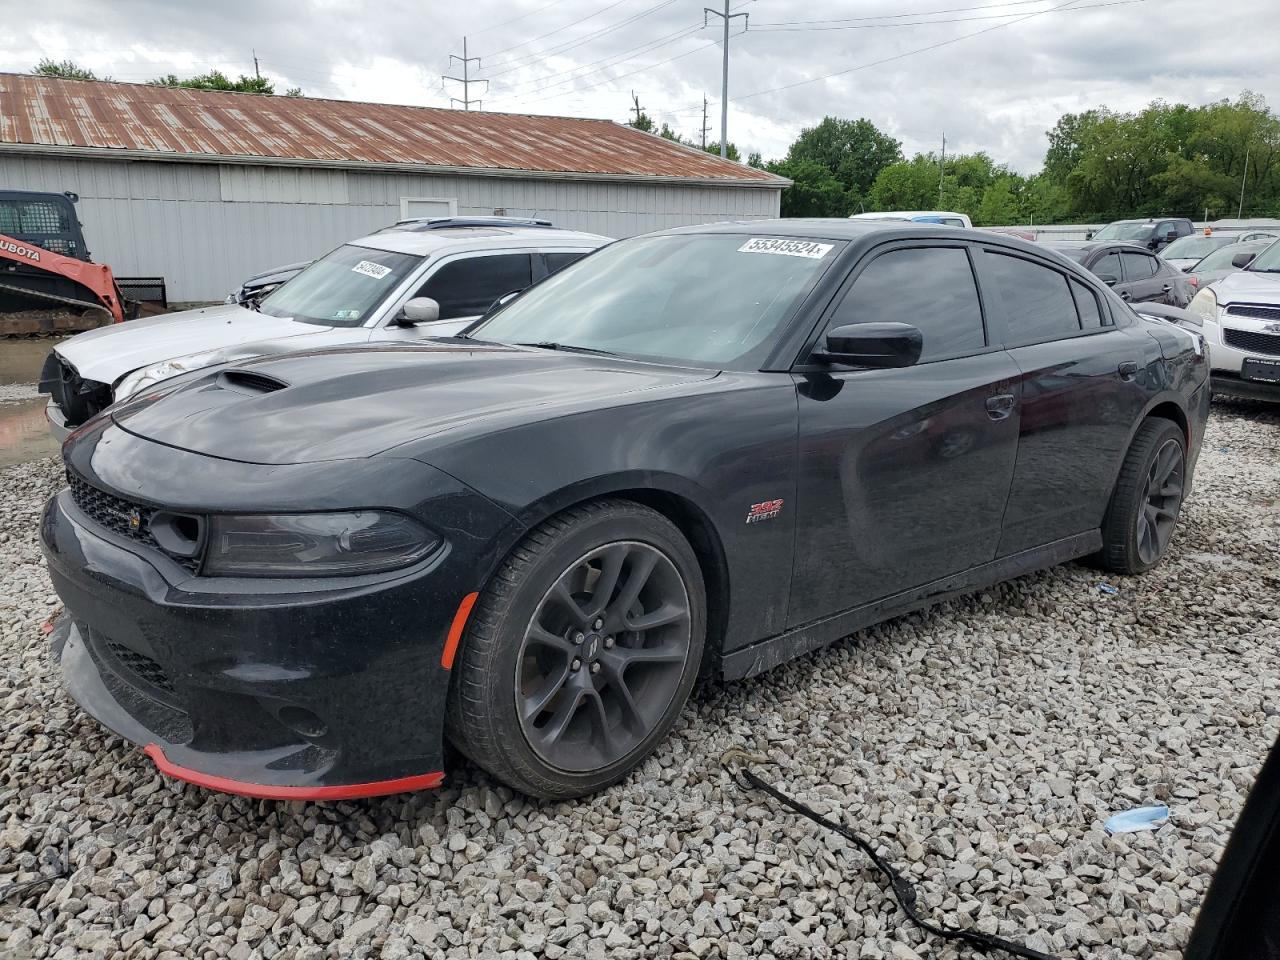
<point x="711" y="449"/>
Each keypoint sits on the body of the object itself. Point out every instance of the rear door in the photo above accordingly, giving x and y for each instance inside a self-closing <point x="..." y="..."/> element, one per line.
<point x="903" y="473"/>
<point x="1143" y="279"/>
<point x="1083" y="381"/>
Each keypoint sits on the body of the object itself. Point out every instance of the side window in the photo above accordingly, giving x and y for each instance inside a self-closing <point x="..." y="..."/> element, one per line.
<point x="1108" y="266"/>
<point x="558" y="261"/>
<point x="1037" y="299"/>
<point x="931" y="288"/>
<point x="1086" y="306"/>
<point x="1139" y="266"/>
<point x="467" y="287"/>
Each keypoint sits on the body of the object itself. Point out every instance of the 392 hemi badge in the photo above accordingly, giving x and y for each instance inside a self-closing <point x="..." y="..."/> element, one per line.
<point x="765" y="510"/>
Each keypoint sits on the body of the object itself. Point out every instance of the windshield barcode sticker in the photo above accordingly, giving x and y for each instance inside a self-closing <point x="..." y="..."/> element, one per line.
<point x="786" y="248"/>
<point x="371" y="269"/>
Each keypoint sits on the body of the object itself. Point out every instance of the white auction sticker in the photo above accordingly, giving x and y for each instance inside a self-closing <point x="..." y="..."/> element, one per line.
<point x="786" y="248"/>
<point x="371" y="269"/>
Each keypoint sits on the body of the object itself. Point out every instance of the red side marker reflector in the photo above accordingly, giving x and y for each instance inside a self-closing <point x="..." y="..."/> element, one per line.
<point x="266" y="791"/>
<point x="455" y="630"/>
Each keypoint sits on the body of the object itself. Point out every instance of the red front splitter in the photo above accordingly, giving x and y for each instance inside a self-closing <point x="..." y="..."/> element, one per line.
<point x="266" y="791"/>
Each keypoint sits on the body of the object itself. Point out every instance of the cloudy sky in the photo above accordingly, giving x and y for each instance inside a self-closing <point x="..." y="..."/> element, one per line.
<point x="991" y="76"/>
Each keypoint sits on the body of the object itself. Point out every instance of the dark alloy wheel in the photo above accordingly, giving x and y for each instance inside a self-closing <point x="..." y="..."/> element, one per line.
<point x="1147" y="499"/>
<point x="603" y="656"/>
<point x="1163" y="498"/>
<point x="581" y="651"/>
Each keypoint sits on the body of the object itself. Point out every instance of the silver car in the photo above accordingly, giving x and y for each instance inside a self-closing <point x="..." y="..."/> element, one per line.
<point x="391" y="285"/>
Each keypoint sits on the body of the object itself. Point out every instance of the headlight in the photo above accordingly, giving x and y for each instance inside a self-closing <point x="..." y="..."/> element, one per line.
<point x="142" y="378"/>
<point x="314" y="544"/>
<point x="1205" y="305"/>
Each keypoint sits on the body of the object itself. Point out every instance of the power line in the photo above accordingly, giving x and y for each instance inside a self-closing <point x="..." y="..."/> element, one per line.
<point x="523" y="16"/>
<point x="525" y="60"/>
<point x="552" y="33"/>
<point x="911" y="53"/>
<point x="836" y="25"/>
<point x="918" y="13"/>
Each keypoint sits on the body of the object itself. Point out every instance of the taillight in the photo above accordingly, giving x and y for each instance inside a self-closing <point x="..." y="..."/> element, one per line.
<point x="1193" y="280"/>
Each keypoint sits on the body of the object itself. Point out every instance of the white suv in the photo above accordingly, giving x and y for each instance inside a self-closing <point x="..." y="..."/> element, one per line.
<point x="408" y="282"/>
<point x="1241" y="314"/>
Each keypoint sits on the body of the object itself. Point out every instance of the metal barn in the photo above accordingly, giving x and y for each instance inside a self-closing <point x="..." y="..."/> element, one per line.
<point x="206" y="188"/>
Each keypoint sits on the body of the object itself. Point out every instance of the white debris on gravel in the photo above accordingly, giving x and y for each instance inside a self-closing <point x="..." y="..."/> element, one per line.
<point x="18" y="391"/>
<point x="983" y="742"/>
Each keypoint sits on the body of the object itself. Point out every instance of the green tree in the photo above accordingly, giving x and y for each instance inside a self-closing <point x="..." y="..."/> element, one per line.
<point x="730" y="149"/>
<point x="217" y="80"/>
<point x="814" y="192"/>
<point x="1000" y="204"/>
<point x="64" y="68"/>
<point x="906" y="185"/>
<point x="852" y="151"/>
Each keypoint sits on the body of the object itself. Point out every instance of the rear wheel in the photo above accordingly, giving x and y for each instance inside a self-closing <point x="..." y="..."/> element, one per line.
<point x="1147" y="500"/>
<point x="581" y="652"/>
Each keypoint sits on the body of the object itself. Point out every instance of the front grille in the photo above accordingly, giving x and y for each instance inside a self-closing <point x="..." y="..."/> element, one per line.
<point x="1268" y="343"/>
<point x="141" y="666"/>
<point x="1258" y="313"/>
<point x="120" y="516"/>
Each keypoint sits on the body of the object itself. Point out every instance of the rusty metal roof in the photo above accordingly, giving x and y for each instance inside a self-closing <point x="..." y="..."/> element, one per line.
<point x="103" y="117"/>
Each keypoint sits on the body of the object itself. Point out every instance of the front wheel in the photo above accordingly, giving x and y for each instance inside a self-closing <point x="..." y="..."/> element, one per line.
<point x="581" y="652"/>
<point x="1147" y="499"/>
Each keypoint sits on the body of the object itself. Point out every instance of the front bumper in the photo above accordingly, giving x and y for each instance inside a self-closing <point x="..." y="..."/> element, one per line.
<point x="1228" y="363"/>
<point x="319" y="691"/>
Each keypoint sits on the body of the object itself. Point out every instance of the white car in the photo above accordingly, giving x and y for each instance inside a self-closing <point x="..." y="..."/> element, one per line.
<point x="946" y="217"/>
<point x="393" y="285"/>
<point x="1241" y="314"/>
<point x="1185" y="252"/>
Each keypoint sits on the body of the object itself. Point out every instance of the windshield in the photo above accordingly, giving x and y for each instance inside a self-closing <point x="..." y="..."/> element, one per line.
<point x="1268" y="261"/>
<point x="342" y="288"/>
<point x="710" y="299"/>
<point x="1124" y="231"/>
<point x="1221" y="258"/>
<point x="1193" y="248"/>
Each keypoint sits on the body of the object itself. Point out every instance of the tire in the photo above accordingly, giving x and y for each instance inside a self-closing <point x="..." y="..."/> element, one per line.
<point x="545" y="700"/>
<point x="1130" y="544"/>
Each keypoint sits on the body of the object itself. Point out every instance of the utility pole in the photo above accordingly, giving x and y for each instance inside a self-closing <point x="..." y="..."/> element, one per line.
<point x="1243" y="177"/>
<point x="942" y="167"/>
<point x="637" y="108"/>
<point x="465" y="79"/>
<point x="704" y="121"/>
<point x="724" y="77"/>
<point x="255" y="63"/>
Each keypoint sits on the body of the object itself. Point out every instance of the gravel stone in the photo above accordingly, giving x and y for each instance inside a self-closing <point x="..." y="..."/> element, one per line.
<point x="979" y="744"/>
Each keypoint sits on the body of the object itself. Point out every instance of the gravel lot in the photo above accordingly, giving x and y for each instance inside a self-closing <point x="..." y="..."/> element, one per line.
<point x="984" y="741"/>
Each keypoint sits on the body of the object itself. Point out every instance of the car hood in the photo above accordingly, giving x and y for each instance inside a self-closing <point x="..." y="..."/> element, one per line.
<point x="1246" y="286"/>
<point x="354" y="402"/>
<point x="1182" y="262"/>
<point x="108" y="353"/>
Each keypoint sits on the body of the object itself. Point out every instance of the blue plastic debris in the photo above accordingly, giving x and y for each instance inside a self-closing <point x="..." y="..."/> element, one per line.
<point x="1108" y="589"/>
<point x="1139" y="818"/>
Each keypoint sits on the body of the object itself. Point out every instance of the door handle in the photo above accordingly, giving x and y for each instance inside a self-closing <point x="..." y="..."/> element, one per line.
<point x="1000" y="406"/>
<point x="1166" y="288"/>
<point x="1128" y="370"/>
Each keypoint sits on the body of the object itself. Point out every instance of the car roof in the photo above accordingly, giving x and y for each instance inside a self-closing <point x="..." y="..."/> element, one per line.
<point x="1088" y="246"/>
<point x="821" y="228"/>
<point x="469" y="239"/>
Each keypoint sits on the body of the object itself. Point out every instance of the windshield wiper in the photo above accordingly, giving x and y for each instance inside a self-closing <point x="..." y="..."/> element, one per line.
<point x="567" y="348"/>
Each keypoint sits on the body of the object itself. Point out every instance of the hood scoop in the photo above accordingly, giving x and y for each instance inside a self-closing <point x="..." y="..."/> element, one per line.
<point x="249" y="381"/>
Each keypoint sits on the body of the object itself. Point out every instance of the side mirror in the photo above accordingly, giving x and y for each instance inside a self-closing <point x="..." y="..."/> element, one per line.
<point x="872" y="345"/>
<point x="1171" y="236"/>
<point x="1088" y="234"/>
<point x="501" y="302"/>
<point x="1242" y="260"/>
<point x="418" y="310"/>
<point x="1108" y="279"/>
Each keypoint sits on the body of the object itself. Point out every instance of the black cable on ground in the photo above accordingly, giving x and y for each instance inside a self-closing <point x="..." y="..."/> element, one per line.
<point x="736" y="762"/>
<point x="62" y="867"/>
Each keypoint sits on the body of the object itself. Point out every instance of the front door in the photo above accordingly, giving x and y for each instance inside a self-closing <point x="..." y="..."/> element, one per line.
<point x="903" y="473"/>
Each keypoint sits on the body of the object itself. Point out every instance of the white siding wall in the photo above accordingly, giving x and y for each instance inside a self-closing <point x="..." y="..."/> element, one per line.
<point x="205" y="227"/>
